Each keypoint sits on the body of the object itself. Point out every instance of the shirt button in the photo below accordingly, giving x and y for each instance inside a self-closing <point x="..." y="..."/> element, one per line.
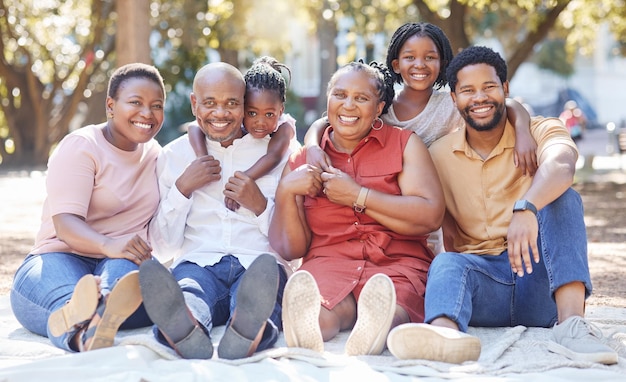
<point x="354" y="282"/>
<point x="359" y="268"/>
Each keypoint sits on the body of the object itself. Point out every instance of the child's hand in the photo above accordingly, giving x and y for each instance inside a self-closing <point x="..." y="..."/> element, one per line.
<point x="317" y="157"/>
<point x="231" y="204"/>
<point x="525" y="156"/>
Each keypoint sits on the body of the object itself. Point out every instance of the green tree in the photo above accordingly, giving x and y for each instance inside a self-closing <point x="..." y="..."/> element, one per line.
<point x="53" y="56"/>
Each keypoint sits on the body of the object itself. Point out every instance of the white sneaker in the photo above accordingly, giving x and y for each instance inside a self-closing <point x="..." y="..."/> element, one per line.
<point x="375" y="310"/>
<point x="433" y="343"/>
<point x="301" y="311"/>
<point x="579" y="340"/>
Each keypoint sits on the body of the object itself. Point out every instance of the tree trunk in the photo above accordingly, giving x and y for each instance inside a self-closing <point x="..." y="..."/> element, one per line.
<point x="326" y="33"/>
<point x="133" y="32"/>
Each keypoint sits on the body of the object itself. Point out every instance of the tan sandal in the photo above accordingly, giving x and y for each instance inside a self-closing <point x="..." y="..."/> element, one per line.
<point x="78" y="310"/>
<point x="124" y="299"/>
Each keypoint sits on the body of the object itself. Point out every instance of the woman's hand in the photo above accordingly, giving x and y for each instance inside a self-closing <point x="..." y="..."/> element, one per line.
<point x="317" y="157"/>
<point x="304" y="180"/>
<point x="339" y="187"/>
<point x="134" y="249"/>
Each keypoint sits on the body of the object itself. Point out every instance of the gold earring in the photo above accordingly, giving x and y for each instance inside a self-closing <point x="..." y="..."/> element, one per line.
<point x="109" y="115"/>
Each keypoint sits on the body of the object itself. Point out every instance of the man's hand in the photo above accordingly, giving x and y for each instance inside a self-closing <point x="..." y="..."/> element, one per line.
<point x="202" y="171"/>
<point x="242" y="189"/>
<point x="136" y="249"/>
<point x="522" y="240"/>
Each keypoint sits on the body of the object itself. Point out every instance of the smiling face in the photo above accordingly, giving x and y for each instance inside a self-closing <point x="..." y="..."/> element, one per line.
<point x="263" y="108"/>
<point x="418" y="63"/>
<point x="480" y="97"/>
<point x="137" y="111"/>
<point x="217" y="102"/>
<point x="353" y="105"/>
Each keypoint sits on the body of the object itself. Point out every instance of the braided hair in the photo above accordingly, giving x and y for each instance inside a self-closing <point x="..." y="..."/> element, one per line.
<point x="408" y="30"/>
<point x="378" y="72"/>
<point x="266" y="74"/>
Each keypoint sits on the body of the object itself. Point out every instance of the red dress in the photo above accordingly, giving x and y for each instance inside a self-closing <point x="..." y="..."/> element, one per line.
<point x="347" y="247"/>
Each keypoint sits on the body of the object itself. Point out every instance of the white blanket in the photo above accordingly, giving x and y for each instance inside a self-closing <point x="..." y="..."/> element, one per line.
<point x="508" y="354"/>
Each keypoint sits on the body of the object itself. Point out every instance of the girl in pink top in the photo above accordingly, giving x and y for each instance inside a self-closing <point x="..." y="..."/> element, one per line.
<point x="79" y="283"/>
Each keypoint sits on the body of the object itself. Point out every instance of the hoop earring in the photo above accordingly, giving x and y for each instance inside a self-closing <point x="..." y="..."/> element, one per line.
<point x="381" y="124"/>
<point x="325" y="116"/>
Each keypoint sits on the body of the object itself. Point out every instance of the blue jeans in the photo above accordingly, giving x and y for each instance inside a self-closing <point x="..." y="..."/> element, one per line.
<point x="483" y="291"/>
<point x="44" y="283"/>
<point x="211" y="295"/>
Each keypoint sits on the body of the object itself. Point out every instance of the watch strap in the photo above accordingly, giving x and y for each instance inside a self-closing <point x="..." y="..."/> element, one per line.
<point x="359" y="204"/>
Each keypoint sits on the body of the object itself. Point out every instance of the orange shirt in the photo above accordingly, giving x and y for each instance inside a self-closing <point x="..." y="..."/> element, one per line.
<point x="347" y="247"/>
<point x="480" y="194"/>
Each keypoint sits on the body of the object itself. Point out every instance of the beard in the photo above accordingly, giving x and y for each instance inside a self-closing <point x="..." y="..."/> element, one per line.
<point x="489" y="125"/>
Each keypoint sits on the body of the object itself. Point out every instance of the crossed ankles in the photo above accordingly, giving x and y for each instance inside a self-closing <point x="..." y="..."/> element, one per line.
<point x="165" y="304"/>
<point x="94" y="319"/>
<point x="301" y="309"/>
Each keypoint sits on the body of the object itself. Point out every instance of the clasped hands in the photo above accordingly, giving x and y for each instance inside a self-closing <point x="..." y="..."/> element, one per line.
<point x="312" y="181"/>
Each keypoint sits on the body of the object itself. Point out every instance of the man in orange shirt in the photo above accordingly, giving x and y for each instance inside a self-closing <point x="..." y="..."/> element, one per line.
<point x="518" y="248"/>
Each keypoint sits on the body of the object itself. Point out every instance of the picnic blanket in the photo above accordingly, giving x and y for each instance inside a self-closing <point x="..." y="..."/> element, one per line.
<point x="508" y="354"/>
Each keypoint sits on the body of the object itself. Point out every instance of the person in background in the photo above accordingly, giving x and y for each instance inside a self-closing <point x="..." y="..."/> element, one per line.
<point x="418" y="55"/>
<point x="518" y="247"/>
<point x="574" y="119"/>
<point x="224" y="271"/>
<point x="79" y="283"/>
<point x="264" y="115"/>
<point x="360" y="225"/>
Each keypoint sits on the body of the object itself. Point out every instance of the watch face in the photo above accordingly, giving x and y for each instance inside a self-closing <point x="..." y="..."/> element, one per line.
<point x="520" y="205"/>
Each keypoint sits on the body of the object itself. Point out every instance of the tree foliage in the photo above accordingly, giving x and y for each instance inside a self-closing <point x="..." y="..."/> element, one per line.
<point x="53" y="55"/>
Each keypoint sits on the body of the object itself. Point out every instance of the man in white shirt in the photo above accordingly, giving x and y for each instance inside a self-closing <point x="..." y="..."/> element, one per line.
<point x="224" y="270"/>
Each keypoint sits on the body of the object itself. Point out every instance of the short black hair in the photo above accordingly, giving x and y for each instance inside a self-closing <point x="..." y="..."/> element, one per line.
<point x="134" y="70"/>
<point x="378" y="72"/>
<point x="266" y="74"/>
<point x="431" y="31"/>
<point x="472" y="56"/>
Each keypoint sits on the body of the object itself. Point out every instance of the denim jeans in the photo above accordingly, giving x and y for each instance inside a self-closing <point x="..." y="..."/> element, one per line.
<point x="211" y="295"/>
<point x="44" y="283"/>
<point x="483" y="291"/>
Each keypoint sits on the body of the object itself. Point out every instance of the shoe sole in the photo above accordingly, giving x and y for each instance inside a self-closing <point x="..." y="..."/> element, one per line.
<point x="606" y="358"/>
<point x="301" y="311"/>
<point x="123" y="301"/>
<point x="80" y="308"/>
<point x="165" y="305"/>
<point x="428" y="342"/>
<point x="256" y="299"/>
<point x="375" y="311"/>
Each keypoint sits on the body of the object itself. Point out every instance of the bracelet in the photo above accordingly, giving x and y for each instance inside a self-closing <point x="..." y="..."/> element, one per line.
<point x="359" y="205"/>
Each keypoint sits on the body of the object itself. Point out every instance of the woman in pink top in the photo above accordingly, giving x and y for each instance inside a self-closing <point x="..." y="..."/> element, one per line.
<point x="79" y="283"/>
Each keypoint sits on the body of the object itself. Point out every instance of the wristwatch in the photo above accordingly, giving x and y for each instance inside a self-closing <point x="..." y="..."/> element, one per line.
<point x="524" y="205"/>
<point x="359" y="205"/>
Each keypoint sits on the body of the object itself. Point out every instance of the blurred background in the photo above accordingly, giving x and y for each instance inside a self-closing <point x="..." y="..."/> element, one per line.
<point x="56" y="55"/>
